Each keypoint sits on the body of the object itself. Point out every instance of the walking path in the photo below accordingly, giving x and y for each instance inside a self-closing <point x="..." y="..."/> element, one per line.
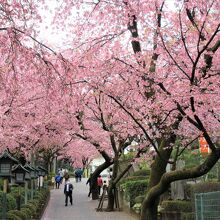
<point x="83" y="208"/>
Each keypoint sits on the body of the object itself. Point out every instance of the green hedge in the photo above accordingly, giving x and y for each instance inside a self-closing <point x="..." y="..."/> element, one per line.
<point x="176" y="205"/>
<point x="10" y="216"/>
<point x="11" y="201"/>
<point x="142" y="172"/>
<point x="27" y="212"/>
<point x="32" y="210"/>
<point x="20" y="214"/>
<point x="133" y="189"/>
<point x="132" y="178"/>
<point x="139" y="199"/>
<point x="204" y="187"/>
<point x="1" y="184"/>
<point x="187" y="216"/>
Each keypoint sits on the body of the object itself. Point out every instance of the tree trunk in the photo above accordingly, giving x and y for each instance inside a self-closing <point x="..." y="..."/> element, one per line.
<point x="111" y="198"/>
<point x="158" y="168"/>
<point x="155" y="192"/>
<point x="112" y="185"/>
<point x="99" y="169"/>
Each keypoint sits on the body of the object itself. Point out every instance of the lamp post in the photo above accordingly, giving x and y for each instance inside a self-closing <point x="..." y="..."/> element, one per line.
<point x="21" y="176"/>
<point x="41" y="173"/>
<point x="32" y="176"/>
<point x="6" y="163"/>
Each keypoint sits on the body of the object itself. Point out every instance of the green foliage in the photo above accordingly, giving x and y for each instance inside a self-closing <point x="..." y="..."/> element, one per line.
<point x="139" y="199"/>
<point x="20" y="214"/>
<point x="132" y="178"/>
<point x="12" y="216"/>
<point x="27" y="212"/>
<point x="133" y="189"/>
<point x="187" y="216"/>
<point x="11" y="202"/>
<point x="203" y="187"/>
<point x="31" y="207"/>
<point x="142" y="172"/>
<point x="137" y="175"/>
<point x="127" y="157"/>
<point x="176" y="205"/>
<point x="50" y="175"/>
<point x="16" y="192"/>
<point x="1" y="184"/>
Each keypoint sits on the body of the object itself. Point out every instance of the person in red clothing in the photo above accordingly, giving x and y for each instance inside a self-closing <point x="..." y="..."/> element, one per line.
<point x="99" y="183"/>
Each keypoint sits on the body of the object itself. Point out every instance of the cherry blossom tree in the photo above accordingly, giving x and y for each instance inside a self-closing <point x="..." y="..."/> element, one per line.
<point x="173" y="73"/>
<point x="155" y="64"/>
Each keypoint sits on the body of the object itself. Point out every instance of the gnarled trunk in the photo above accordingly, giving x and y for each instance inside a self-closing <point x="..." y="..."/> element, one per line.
<point x="158" y="168"/>
<point x="94" y="185"/>
<point x="148" y="205"/>
<point x="112" y="185"/>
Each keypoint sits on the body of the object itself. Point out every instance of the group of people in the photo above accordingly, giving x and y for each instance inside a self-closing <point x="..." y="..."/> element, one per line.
<point x="100" y="183"/>
<point x="78" y="174"/>
<point x="68" y="186"/>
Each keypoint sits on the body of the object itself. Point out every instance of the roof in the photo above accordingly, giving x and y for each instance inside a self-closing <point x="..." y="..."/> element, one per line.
<point x="6" y="154"/>
<point x="15" y="167"/>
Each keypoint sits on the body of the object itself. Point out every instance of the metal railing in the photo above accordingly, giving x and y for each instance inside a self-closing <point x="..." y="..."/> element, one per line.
<point x="207" y="206"/>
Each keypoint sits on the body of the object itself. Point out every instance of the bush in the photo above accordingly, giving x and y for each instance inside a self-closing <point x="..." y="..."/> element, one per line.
<point x="204" y="187"/>
<point x="11" y="202"/>
<point x="139" y="199"/>
<point x="31" y="207"/>
<point x="143" y="172"/>
<point x="16" y="192"/>
<point x="132" y="178"/>
<point x="20" y="214"/>
<point x="27" y="212"/>
<point x="133" y="189"/>
<point x="12" y="216"/>
<point x="176" y="206"/>
<point x="1" y="184"/>
<point x="187" y="216"/>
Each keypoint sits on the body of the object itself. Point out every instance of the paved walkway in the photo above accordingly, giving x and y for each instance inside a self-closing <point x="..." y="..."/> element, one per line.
<point x="83" y="208"/>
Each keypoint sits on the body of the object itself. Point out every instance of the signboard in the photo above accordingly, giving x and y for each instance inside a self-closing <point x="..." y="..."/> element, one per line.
<point x="203" y="145"/>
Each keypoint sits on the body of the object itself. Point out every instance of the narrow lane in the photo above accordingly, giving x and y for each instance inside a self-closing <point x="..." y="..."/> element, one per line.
<point x="83" y="208"/>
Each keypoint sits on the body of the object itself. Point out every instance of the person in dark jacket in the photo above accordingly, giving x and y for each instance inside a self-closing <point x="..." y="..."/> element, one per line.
<point x="68" y="189"/>
<point x="90" y="183"/>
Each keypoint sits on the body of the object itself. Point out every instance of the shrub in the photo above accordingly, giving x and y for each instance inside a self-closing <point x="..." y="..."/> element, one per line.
<point x="12" y="216"/>
<point x="11" y="202"/>
<point x="143" y="172"/>
<point x="20" y="214"/>
<point x="139" y="199"/>
<point x="204" y="187"/>
<point x="176" y="205"/>
<point x="187" y="216"/>
<point x="1" y="184"/>
<point x="32" y="207"/>
<point x="133" y="178"/>
<point x="27" y="212"/>
<point x="16" y="192"/>
<point x="40" y="200"/>
<point x="133" y="189"/>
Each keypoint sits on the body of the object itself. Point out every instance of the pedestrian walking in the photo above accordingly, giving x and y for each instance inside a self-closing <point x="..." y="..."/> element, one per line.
<point x="68" y="189"/>
<point x="90" y="183"/>
<point x="58" y="180"/>
<point x="61" y="172"/>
